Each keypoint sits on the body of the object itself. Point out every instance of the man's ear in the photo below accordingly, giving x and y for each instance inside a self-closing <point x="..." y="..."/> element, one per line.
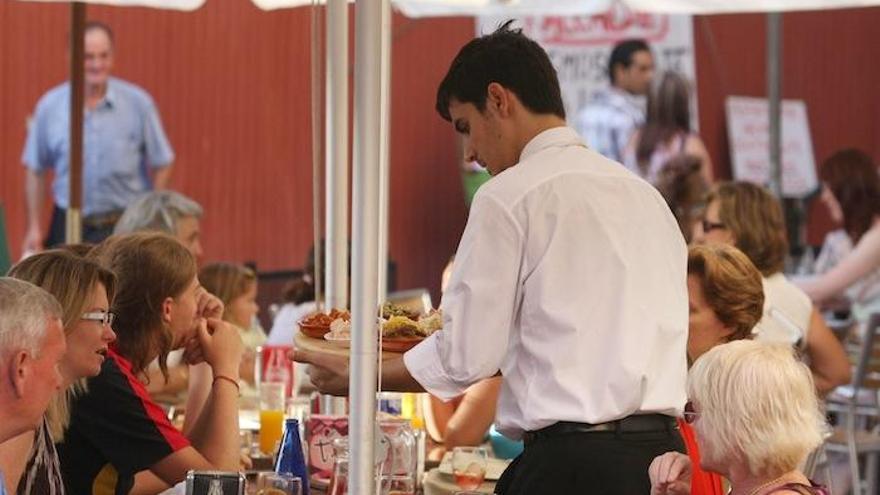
<point x="499" y="99"/>
<point x="20" y="371"/>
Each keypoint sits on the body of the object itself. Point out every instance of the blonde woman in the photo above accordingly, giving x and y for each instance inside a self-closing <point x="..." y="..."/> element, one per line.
<point x="749" y="217"/>
<point x="756" y="415"/>
<point x="85" y="291"/>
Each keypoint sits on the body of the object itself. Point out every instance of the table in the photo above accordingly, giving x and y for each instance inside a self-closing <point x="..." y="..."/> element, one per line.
<point x="437" y="483"/>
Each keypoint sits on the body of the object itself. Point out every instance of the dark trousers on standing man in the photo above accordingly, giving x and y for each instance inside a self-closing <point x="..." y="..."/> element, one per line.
<point x="572" y="459"/>
<point x="95" y="228"/>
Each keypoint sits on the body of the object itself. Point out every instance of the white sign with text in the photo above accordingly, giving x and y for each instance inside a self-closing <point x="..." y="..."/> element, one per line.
<point x="748" y="132"/>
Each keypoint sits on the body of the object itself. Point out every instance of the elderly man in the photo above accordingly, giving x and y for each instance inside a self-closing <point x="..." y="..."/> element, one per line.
<point x="31" y="346"/>
<point x="123" y="144"/>
<point x="609" y="120"/>
<point x="165" y="211"/>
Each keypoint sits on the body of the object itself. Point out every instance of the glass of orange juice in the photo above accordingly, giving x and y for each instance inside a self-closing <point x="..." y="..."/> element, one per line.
<point x="271" y="415"/>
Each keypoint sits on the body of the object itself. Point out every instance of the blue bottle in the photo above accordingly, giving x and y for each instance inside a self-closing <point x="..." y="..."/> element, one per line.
<point x="290" y="457"/>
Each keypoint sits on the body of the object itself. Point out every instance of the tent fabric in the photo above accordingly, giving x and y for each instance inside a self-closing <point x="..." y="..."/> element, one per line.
<point x="434" y="8"/>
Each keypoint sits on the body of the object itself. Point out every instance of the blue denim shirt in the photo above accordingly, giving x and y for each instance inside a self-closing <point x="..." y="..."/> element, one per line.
<point x="122" y="139"/>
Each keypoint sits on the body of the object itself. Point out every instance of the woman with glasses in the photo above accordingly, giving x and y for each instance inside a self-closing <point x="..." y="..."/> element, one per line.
<point x="756" y="416"/>
<point x="725" y="301"/>
<point x="749" y="217"/>
<point x="119" y="439"/>
<point x="85" y="291"/>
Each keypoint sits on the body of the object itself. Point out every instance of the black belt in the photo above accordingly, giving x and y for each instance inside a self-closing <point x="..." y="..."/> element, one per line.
<point x="640" y="423"/>
<point x="102" y="220"/>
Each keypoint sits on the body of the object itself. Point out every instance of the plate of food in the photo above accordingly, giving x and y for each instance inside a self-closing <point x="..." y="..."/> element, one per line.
<point x="316" y="325"/>
<point x="401" y="331"/>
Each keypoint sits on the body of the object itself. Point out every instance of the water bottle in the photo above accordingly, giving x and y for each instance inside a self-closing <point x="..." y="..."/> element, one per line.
<point x="290" y="458"/>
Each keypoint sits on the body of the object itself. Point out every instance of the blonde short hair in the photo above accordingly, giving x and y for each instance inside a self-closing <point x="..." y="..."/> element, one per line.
<point x="757" y="404"/>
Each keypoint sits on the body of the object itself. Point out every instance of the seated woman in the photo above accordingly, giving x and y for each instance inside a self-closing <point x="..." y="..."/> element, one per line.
<point x="666" y="133"/>
<point x="236" y="286"/>
<point x="756" y="416"/>
<point x="116" y="430"/>
<point x="725" y="301"/>
<point x="849" y="264"/>
<point x="85" y="290"/>
<point x="748" y="216"/>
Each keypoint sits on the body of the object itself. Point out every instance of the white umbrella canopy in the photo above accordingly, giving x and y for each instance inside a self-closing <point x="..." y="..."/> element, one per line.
<point x="159" y="4"/>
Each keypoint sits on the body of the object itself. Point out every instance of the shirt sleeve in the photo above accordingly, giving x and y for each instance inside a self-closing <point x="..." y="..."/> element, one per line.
<point x="124" y="424"/>
<point x="478" y="307"/>
<point x="36" y="147"/>
<point x="158" y="149"/>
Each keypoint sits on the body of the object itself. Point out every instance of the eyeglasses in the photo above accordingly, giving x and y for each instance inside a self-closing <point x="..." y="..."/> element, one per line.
<point x="105" y="317"/>
<point x="690" y="414"/>
<point x="710" y="226"/>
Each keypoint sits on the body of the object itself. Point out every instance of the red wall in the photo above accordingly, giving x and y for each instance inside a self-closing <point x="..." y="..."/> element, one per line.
<point x="232" y="85"/>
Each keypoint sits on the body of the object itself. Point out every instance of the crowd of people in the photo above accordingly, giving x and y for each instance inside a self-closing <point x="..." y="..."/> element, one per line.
<point x="608" y="305"/>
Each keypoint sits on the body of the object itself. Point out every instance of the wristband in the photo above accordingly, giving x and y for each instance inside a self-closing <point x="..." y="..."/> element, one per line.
<point x="230" y="380"/>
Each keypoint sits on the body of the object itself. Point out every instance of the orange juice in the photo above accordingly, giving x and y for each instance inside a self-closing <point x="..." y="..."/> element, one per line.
<point x="271" y="428"/>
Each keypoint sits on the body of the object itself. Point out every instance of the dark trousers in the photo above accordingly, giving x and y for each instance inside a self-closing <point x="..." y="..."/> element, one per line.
<point x="602" y="462"/>
<point x="91" y="233"/>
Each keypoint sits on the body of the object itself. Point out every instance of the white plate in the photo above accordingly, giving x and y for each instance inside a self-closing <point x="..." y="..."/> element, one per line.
<point x="494" y="467"/>
<point x="338" y="341"/>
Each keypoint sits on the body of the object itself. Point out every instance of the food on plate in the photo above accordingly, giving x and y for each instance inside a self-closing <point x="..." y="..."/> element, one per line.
<point x="398" y="327"/>
<point x="316" y="325"/>
<point x="340" y="329"/>
<point x="431" y="322"/>
<point x="390" y="309"/>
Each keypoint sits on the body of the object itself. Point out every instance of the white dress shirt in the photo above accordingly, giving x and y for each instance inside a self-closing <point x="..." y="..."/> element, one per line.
<point x="570" y="279"/>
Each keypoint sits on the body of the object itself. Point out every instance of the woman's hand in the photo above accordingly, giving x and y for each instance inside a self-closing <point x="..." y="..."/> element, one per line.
<point x="670" y="474"/>
<point x="219" y="343"/>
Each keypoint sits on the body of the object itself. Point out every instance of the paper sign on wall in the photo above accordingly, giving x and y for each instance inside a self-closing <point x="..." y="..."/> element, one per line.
<point x="748" y="131"/>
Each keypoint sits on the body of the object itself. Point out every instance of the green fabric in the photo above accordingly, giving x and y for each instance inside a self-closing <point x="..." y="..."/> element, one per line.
<point x="471" y="182"/>
<point x="5" y="262"/>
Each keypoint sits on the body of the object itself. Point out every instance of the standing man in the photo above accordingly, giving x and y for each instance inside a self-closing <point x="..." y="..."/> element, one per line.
<point x="123" y="146"/>
<point x="569" y="281"/>
<point x="31" y="346"/>
<point x="609" y="120"/>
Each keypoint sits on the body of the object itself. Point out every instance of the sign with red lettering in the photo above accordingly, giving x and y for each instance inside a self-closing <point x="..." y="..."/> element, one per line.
<point x="747" y="129"/>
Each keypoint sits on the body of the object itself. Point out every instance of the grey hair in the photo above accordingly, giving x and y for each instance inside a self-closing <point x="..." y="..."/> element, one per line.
<point x="25" y="310"/>
<point x="157" y="211"/>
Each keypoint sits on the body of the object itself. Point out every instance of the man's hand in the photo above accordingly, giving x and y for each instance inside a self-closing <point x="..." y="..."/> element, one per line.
<point x="670" y="474"/>
<point x="328" y="372"/>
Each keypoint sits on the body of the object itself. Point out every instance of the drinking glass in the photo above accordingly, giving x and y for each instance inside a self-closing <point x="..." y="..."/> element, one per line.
<point x="269" y="483"/>
<point x="271" y="415"/>
<point x="339" y="479"/>
<point x="469" y="466"/>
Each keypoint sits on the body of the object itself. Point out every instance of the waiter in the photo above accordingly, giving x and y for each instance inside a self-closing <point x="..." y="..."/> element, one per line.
<point x="570" y="280"/>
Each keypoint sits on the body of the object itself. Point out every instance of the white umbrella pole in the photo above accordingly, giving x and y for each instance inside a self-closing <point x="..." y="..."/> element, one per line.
<point x="384" y="149"/>
<point x="336" y="144"/>
<point x="364" y="352"/>
<point x="774" y="98"/>
<point x="337" y="154"/>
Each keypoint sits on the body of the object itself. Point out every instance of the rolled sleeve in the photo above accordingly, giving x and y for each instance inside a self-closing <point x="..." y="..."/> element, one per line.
<point x="36" y="149"/>
<point x="478" y="306"/>
<point x="158" y="149"/>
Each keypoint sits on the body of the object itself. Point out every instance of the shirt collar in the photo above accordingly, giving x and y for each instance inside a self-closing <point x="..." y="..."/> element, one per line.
<point x="555" y="136"/>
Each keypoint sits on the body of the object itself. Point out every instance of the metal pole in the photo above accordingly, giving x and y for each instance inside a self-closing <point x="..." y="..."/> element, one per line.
<point x="364" y="352"/>
<point x="336" y="163"/>
<point x="317" y="153"/>
<point x="774" y="97"/>
<point x="384" y="149"/>
<point x="73" y="231"/>
<point x="337" y="154"/>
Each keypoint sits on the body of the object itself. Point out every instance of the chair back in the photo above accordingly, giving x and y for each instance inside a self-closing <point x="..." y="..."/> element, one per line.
<point x="867" y="360"/>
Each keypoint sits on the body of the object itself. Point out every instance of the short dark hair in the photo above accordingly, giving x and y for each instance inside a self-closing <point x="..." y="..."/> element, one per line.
<point x="622" y="54"/>
<point x="853" y="179"/>
<point x="506" y="57"/>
